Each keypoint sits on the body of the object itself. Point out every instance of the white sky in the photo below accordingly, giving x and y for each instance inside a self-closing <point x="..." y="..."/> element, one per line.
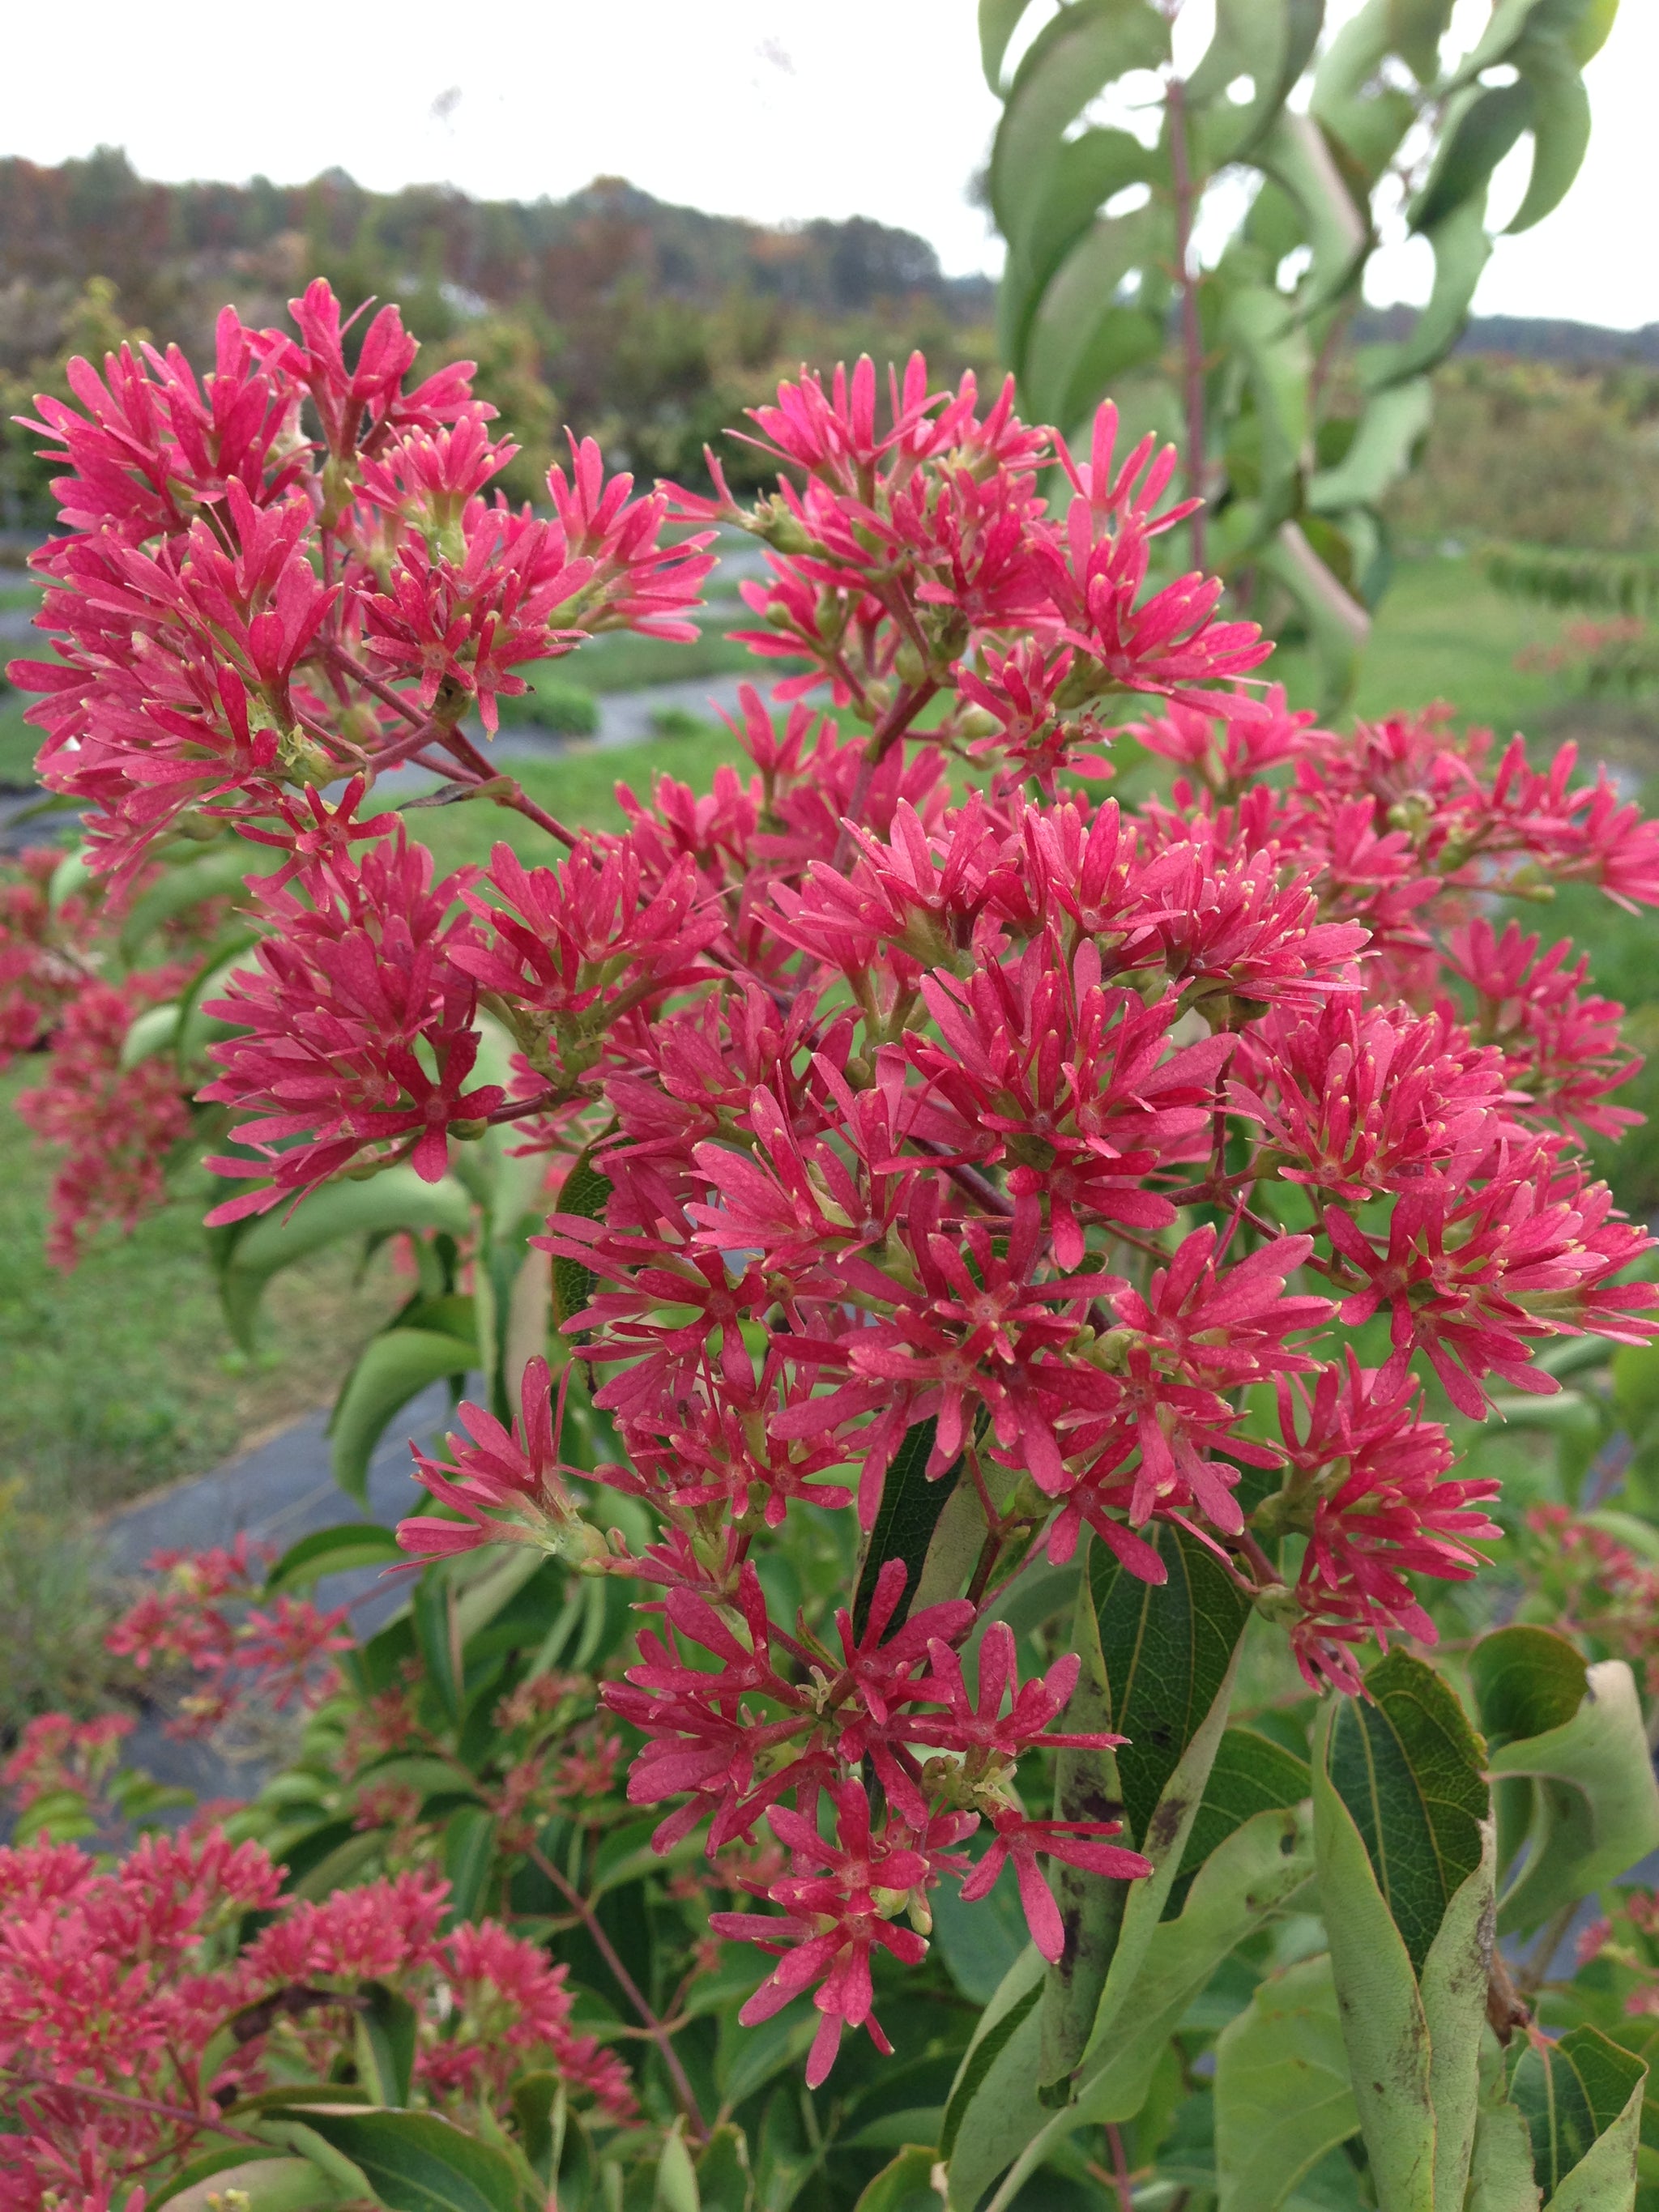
<point x="774" y="109"/>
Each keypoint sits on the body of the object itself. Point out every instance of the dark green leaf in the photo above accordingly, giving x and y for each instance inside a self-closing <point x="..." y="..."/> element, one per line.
<point x="432" y="1608"/>
<point x="1166" y="1648"/>
<point x="538" y="2112"/>
<point x="1251" y="1774"/>
<point x="905" y="1521"/>
<point x="1572" y="2092"/>
<point x="1407" y="1765"/>
<point x="416" y="2162"/>
<point x="385" y="2033"/>
<point x="583" y="1192"/>
<point x="1525" y="1679"/>
<point x="392" y="1369"/>
<point x="724" y="2182"/>
<point x="468" y="1856"/>
<point x="1483" y="126"/>
<point x="334" y="1551"/>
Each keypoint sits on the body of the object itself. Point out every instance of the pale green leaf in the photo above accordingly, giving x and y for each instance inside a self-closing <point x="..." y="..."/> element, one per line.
<point x="1282" y="2096"/>
<point x="392" y="1369"/>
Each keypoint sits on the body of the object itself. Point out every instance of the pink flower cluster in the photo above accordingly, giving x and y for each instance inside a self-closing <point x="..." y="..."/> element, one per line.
<point x="1114" y="1169"/>
<point x="131" y="2023"/>
<point x="243" y="612"/>
<point x="201" y="1617"/>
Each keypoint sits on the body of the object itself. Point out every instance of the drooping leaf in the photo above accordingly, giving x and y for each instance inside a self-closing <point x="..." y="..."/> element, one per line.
<point x="1379" y="452"/>
<point x="1407" y="1765"/>
<point x="416" y="2162"/>
<point x="335" y="1551"/>
<point x="392" y="1369"/>
<point x="998" y="22"/>
<point x="1596" y="1807"/>
<point x="395" y="1199"/>
<point x="1282" y="2095"/>
<point x="905" y="1521"/>
<point x="1576" y="2094"/>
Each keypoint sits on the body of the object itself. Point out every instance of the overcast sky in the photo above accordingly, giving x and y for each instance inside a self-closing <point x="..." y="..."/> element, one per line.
<point x="772" y="109"/>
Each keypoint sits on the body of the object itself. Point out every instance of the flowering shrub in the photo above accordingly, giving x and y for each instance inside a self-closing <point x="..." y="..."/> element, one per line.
<point x="1005" y="1241"/>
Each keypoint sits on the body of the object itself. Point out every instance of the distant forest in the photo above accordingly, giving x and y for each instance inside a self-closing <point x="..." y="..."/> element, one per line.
<point x="647" y="326"/>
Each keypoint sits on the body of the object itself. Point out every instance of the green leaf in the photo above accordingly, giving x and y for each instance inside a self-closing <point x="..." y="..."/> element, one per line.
<point x="1407" y="1765"/>
<point x="1560" y="124"/>
<point x="335" y="1551"/>
<point x="1251" y="1774"/>
<point x="1453" y="1986"/>
<point x="1339" y="625"/>
<point x="904" y="2185"/>
<point x="1578" y="2094"/>
<point x="218" y="874"/>
<point x="998" y="22"/>
<point x="148" y="1033"/>
<point x="1384" y="2027"/>
<point x="1483" y="122"/>
<point x="1256" y="1872"/>
<point x="1381" y="450"/>
<point x="583" y="1192"/>
<point x="416" y="2162"/>
<point x="1166" y="1648"/>
<point x="385" y="2037"/>
<point x="724" y="2181"/>
<point x="391" y="1371"/>
<point x="395" y="1199"/>
<point x="469" y="1858"/>
<point x="270" y="2184"/>
<point x="1596" y="1807"/>
<point x="905" y="1521"/>
<point x="1636" y="1385"/>
<point x="1461" y="249"/>
<point x="993" y="2110"/>
<point x="1282" y="2095"/>
<point x="1500" y="2173"/>
<point x="676" y="2189"/>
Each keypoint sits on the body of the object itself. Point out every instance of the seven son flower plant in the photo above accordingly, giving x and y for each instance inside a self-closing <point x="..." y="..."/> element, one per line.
<point x="938" y="1141"/>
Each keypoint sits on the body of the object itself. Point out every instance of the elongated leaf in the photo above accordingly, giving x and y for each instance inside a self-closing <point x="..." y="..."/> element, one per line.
<point x="468" y="1856"/>
<point x="416" y="2162"/>
<point x="724" y="2181"/>
<point x="1379" y="455"/>
<point x="1407" y="1766"/>
<point x="1574" y="2093"/>
<point x="905" y="1521"/>
<point x="1597" y="1803"/>
<point x="1282" y="2095"/>
<point x="150" y="1032"/>
<point x="385" y="2036"/>
<point x="392" y="1369"/>
<point x="584" y="1193"/>
<point x="270" y="2184"/>
<point x="1384" y="2030"/>
<point x="212" y="875"/>
<point x="1087" y="1787"/>
<point x="1453" y="1985"/>
<point x="1166" y="1648"/>
<point x="334" y="1551"/>
<point x="1256" y="1873"/>
<point x="998" y="22"/>
<point x="396" y="1199"/>
<point x="1500" y="2173"/>
<point x="1251" y="1775"/>
<point x="676" y="2187"/>
<point x="1560" y="124"/>
<point x="992" y="2107"/>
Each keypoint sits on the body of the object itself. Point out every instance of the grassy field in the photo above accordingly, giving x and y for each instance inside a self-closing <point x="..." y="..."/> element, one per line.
<point x="121" y="1376"/>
